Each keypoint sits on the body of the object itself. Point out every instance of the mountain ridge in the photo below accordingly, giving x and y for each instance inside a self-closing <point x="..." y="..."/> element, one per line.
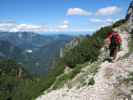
<point x="36" y="52"/>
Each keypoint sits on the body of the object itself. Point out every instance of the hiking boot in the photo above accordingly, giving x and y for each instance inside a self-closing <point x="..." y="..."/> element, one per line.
<point x="111" y="59"/>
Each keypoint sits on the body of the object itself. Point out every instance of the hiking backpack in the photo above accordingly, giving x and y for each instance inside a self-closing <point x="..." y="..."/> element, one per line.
<point x="115" y="39"/>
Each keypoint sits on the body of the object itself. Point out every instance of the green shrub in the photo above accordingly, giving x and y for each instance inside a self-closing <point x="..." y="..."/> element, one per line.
<point x="88" y="49"/>
<point x="27" y="88"/>
<point x="118" y="23"/>
<point x="129" y="78"/>
<point x="91" y="81"/>
<point x="61" y="80"/>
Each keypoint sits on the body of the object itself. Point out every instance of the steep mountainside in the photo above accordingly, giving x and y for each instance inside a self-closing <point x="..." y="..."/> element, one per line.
<point x="99" y="80"/>
<point x="30" y="40"/>
<point x="36" y="52"/>
<point x="110" y="82"/>
<point x="8" y="50"/>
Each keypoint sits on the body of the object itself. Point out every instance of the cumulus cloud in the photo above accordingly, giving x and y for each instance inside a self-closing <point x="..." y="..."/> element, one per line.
<point x="64" y="26"/>
<point x="66" y="22"/>
<point x="96" y="20"/>
<point x="14" y="27"/>
<point x="7" y="26"/>
<point x="78" y="11"/>
<point x="33" y="28"/>
<point x="83" y="30"/>
<point x="108" y="11"/>
<point x="102" y="22"/>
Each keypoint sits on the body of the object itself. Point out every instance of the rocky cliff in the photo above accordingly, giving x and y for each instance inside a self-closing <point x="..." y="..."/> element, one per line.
<point x="129" y="16"/>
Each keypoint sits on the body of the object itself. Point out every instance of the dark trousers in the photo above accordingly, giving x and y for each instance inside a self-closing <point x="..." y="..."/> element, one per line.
<point x="113" y="52"/>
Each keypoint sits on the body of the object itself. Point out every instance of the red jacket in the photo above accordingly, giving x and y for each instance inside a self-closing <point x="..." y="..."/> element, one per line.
<point x="117" y="37"/>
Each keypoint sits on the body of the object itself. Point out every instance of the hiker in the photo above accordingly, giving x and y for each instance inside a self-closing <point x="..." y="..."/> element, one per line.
<point x="106" y="49"/>
<point x="114" y="44"/>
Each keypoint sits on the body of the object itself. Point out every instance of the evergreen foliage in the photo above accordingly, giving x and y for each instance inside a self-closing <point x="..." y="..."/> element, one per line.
<point x="88" y="49"/>
<point x="118" y="23"/>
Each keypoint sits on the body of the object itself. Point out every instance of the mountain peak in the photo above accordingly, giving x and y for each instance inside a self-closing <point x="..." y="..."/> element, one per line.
<point x="129" y="16"/>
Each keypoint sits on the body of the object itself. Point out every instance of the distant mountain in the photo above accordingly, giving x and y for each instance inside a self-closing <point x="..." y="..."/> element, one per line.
<point x="30" y="40"/>
<point x="36" y="52"/>
<point x="8" y="50"/>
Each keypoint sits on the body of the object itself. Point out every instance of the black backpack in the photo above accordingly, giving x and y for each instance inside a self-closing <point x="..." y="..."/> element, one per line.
<point x="113" y="41"/>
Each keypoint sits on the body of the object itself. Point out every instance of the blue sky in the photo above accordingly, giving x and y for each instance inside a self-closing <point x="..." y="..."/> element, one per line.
<point x="60" y="15"/>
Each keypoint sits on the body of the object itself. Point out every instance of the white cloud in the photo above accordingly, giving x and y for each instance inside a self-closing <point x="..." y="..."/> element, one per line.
<point x="14" y="27"/>
<point x="66" y="22"/>
<point x="7" y="26"/>
<point x="34" y="28"/>
<point x="82" y="30"/>
<point x="96" y="20"/>
<point x="78" y="11"/>
<point x="64" y="26"/>
<point x="102" y="22"/>
<point x="108" y="11"/>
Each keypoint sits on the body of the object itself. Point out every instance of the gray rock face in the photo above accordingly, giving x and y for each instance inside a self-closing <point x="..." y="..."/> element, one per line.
<point x="129" y="16"/>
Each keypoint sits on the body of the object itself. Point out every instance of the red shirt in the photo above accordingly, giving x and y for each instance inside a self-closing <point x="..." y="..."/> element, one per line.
<point x="118" y="37"/>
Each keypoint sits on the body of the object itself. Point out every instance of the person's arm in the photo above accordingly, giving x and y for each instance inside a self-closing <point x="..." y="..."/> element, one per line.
<point x="109" y="38"/>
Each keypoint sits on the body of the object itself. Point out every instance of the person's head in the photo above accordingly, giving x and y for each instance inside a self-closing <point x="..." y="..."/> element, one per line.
<point x="115" y="30"/>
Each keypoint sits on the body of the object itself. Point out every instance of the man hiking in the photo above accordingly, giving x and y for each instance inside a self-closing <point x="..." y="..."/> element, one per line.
<point x="114" y="44"/>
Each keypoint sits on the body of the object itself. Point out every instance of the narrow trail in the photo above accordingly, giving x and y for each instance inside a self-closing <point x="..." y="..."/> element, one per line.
<point x="108" y="81"/>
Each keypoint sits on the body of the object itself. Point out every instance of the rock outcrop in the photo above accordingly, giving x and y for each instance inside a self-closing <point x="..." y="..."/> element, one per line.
<point x="129" y="16"/>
